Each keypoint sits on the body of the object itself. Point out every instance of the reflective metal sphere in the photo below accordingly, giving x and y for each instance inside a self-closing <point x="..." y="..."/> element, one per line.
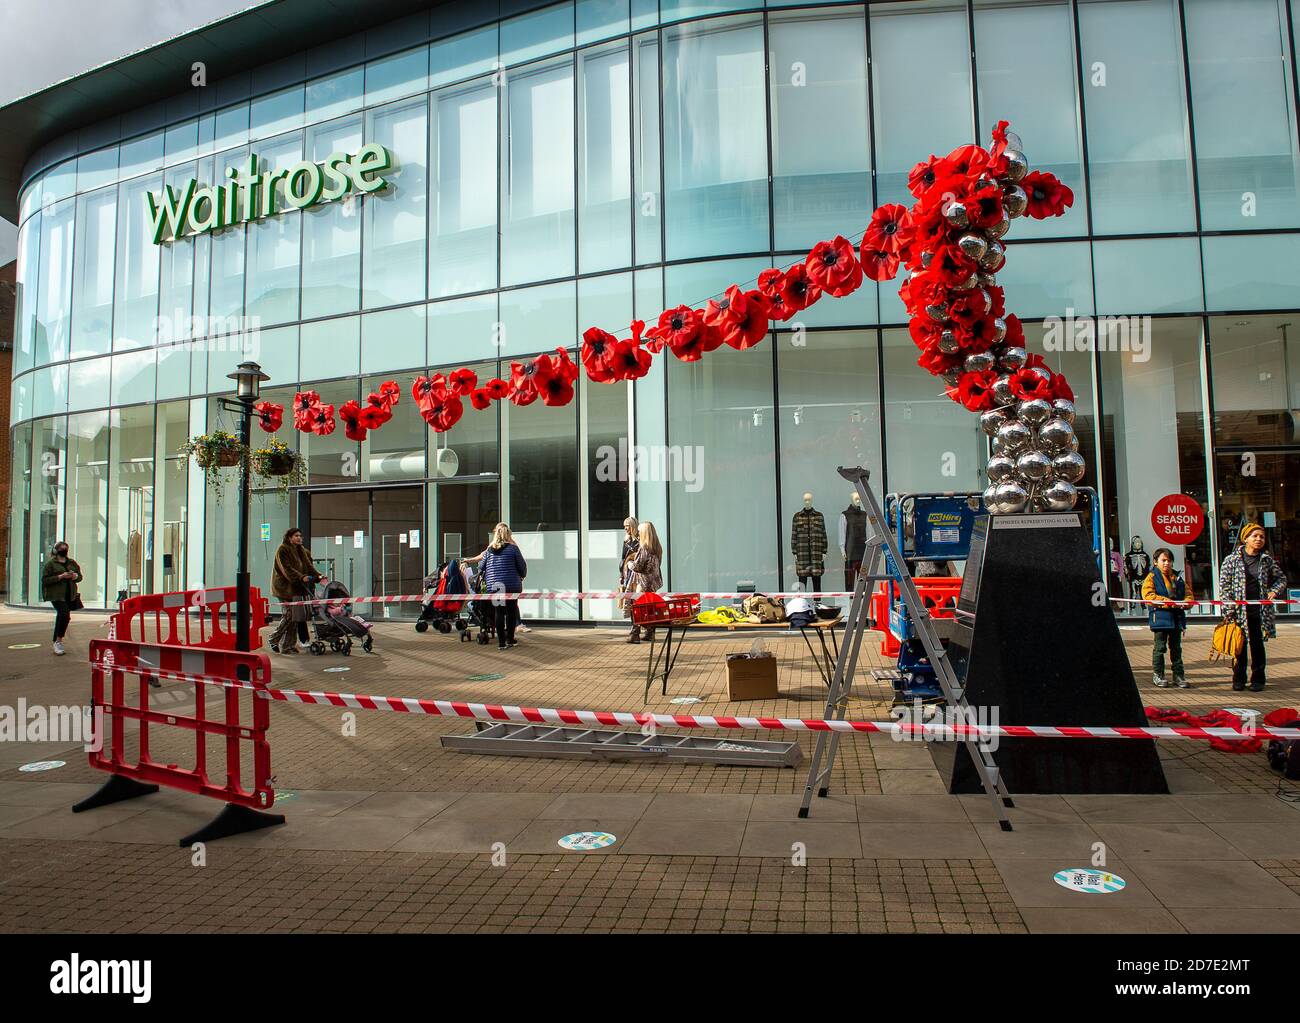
<point x="1017" y="165"/>
<point x="1054" y="436"/>
<point x="1068" y="466"/>
<point x="956" y="214"/>
<point x="999" y="229"/>
<point x="973" y="245"/>
<point x="1014" y="201"/>
<point x="1014" y="436"/>
<point x="1064" y="409"/>
<point x="1012" y="359"/>
<point x="1009" y="498"/>
<point x="1035" y="411"/>
<point x="952" y="377"/>
<point x="1034" y="465"/>
<point x="939" y="312"/>
<point x="989" y="493"/>
<point x="978" y="362"/>
<point x="993" y="255"/>
<point x="1061" y="496"/>
<point x="1002" y="392"/>
<point x="999" y="329"/>
<point x="1001" y="467"/>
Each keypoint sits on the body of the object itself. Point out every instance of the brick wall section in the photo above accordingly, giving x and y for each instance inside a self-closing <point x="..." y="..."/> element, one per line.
<point x="7" y="279"/>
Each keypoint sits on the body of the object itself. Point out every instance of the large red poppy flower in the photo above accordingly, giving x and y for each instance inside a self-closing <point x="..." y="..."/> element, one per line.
<point x="921" y="290"/>
<point x="889" y="229"/>
<point x="878" y="264"/>
<point x="630" y="361"/>
<point x="798" y="291"/>
<point x="923" y="175"/>
<point x="390" y="392"/>
<point x="322" y="420"/>
<point x="377" y="410"/>
<point x="769" y="282"/>
<point x="968" y="161"/>
<point x="984" y="206"/>
<point x="350" y="413"/>
<point x="1015" y="332"/>
<point x="270" y="416"/>
<point x="1060" y="388"/>
<point x="497" y="389"/>
<point x="976" y="335"/>
<point x="925" y="332"/>
<point x="444" y="411"/>
<point x="930" y="229"/>
<point x="966" y="308"/>
<point x="563" y="366"/>
<point x="425" y="390"/>
<point x="462" y="381"/>
<point x="679" y="329"/>
<point x="479" y="398"/>
<point x="934" y="361"/>
<point x="997" y="299"/>
<point x="950" y="265"/>
<point x="1048" y="197"/>
<point x="598" y="355"/>
<point x="1026" y="384"/>
<point x="304" y="402"/>
<point x="975" y="390"/>
<point x="999" y="147"/>
<point x="556" y="390"/>
<point x="833" y="266"/>
<point x="742" y="317"/>
<point x="524" y="379"/>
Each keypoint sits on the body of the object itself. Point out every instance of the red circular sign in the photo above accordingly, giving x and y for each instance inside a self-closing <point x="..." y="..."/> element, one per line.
<point x="1177" y="519"/>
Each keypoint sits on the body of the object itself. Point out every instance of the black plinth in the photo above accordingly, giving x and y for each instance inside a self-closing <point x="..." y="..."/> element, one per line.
<point x="1044" y="649"/>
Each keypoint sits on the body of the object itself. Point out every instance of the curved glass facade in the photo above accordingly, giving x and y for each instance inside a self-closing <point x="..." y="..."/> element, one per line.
<point x="594" y="162"/>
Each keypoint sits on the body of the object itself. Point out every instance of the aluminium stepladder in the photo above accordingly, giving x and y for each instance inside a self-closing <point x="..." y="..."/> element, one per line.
<point x="879" y="540"/>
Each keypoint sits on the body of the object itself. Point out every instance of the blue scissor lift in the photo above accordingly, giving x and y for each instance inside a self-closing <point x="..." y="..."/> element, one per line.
<point x="937" y="527"/>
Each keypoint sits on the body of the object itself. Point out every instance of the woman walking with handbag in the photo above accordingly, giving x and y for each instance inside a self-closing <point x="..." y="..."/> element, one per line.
<point x="59" y="578"/>
<point x="292" y="579"/>
<point x="1248" y="573"/>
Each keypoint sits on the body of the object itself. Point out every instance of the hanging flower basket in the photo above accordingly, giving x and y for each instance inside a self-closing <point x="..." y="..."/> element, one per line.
<point x="215" y="450"/>
<point x="278" y="466"/>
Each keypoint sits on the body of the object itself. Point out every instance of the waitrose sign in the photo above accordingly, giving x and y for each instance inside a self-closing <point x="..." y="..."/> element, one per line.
<point x="249" y="195"/>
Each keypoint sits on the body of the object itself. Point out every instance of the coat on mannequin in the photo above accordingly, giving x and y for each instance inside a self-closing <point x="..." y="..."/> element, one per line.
<point x="808" y="544"/>
<point x="853" y="538"/>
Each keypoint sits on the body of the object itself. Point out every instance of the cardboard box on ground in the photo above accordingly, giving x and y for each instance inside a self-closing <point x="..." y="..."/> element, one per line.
<point x="751" y="676"/>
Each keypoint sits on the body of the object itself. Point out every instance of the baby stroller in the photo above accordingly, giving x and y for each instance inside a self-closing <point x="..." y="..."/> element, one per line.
<point x="444" y="600"/>
<point x="481" y="614"/>
<point x="335" y="626"/>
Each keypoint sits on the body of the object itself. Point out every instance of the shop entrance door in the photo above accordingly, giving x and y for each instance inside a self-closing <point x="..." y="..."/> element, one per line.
<point x="370" y="540"/>
<point x="1267" y="494"/>
<point x="464" y="516"/>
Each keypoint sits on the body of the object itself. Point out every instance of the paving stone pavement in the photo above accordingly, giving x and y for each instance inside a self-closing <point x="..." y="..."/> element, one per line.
<point x="388" y="831"/>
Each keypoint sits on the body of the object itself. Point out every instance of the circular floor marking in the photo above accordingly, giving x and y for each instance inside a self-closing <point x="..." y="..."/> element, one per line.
<point x="483" y="678"/>
<point x="585" y="841"/>
<point x="338" y="669"/>
<point x="23" y="646"/>
<point x="280" y="797"/>
<point x="1090" y="882"/>
<point x="685" y="699"/>
<point x="42" y="765"/>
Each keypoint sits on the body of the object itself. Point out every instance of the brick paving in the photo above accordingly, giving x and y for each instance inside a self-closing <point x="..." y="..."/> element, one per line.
<point x="49" y="865"/>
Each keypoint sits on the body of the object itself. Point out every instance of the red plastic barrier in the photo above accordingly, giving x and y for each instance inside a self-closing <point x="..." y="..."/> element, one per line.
<point x="202" y="618"/>
<point x="114" y="660"/>
<point x="935" y="591"/>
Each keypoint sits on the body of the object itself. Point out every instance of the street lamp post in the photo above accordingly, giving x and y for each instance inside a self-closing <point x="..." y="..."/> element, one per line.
<point x="248" y="377"/>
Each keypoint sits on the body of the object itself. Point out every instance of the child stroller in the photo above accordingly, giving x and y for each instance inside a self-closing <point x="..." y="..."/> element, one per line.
<point x="335" y="626"/>
<point x="481" y="614"/>
<point x="444" y="600"/>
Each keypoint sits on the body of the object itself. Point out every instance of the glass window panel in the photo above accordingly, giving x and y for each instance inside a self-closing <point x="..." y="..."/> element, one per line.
<point x="30" y="200"/>
<point x="715" y="148"/>
<point x="275" y="243"/>
<point x="693" y="284"/>
<point x="141" y="156"/>
<point x="277" y="113"/>
<point x="853" y="310"/>
<point x="1154" y="438"/>
<point x="87" y="383"/>
<point x="22" y="512"/>
<point x="649" y="194"/>
<point x="394" y="259"/>
<point x="231" y="127"/>
<point x="466" y="328"/>
<point x="605" y="162"/>
<point x="135" y="309"/>
<point x="601" y="19"/>
<point x="463" y="160"/>
<point x="397" y="451"/>
<point x="134" y="376"/>
<point x="60" y="183"/>
<point x="332" y="458"/>
<point x="167" y="547"/>
<point x="26" y="292"/>
<point x="1254" y="361"/>
<point x="1075" y="362"/>
<point x="1251" y="272"/>
<point x="933" y="443"/>
<point x="538" y="181"/>
<point x="176" y="301"/>
<point x="94" y="170"/>
<point x="226" y="294"/>
<point x="400" y="75"/>
<point x="1169" y="279"/>
<point x="331" y="231"/>
<point x="173" y="371"/>
<point x="48" y="473"/>
<point x="1243" y="103"/>
<point x="87" y="521"/>
<point x="537" y="34"/>
<point x="538" y="319"/>
<point x="821" y="162"/>
<point x="181" y="142"/>
<point x="54" y="304"/>
<point x="543" y="498"/>
<point x="605" y="302"/>
<point x="610" y="470"/>
<point x="1047" y="279"/>
<point x="462" y="56"/>
<point x="645" y="14"/>
<point x="393" y="339"/>
<point x="276" y="351"/>
<point x="20" y="398"/>
<point x="911" y="122"/>
<point x="335" y="95"/>
<point x="722" y="495"/>
<point x="676" y="10"/>
<point x="338" y="341"/>
<point x="1019" y="41"/>
<point x="1139" y="165"/>
<point x="50" y="389"/>
<point x="474" y="439"/>
<point x="830" y="416"/>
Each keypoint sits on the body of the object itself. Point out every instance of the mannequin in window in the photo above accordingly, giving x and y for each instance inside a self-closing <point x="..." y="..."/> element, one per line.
<point x="853" y="538"/>
<point x="1137" y="566"/>
<point x="808" y="544"/>
<point x="1116" y="565"/>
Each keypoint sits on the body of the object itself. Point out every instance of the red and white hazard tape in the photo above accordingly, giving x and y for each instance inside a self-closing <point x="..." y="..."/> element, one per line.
<point x="457" y="598"/>
<point x="542" y="715"/>
<point x="1221" y="603"/>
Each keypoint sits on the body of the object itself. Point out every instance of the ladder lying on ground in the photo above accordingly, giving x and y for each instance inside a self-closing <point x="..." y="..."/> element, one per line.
<point x="520" y="740"/>
<point x="879" y="539"/>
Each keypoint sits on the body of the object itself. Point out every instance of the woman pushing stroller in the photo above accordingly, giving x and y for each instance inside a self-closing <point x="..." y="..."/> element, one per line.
<point x="292" y="579"/>
<point x="504" y="570"/>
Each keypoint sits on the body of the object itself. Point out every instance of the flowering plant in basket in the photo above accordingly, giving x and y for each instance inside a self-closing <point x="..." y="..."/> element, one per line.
<point x="280" y="465"/>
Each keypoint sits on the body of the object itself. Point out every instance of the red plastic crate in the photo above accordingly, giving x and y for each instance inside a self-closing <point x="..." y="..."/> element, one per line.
<point x="653" y="609"/>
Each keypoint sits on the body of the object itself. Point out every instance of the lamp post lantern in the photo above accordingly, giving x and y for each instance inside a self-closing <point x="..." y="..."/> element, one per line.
<point x="248" y="377"/>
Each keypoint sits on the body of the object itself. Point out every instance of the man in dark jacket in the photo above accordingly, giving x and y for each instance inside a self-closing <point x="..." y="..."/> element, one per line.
<point x="59" y="578"/>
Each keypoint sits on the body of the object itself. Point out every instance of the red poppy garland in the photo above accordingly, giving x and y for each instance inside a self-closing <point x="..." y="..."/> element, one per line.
<point x="270" y="416"/>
